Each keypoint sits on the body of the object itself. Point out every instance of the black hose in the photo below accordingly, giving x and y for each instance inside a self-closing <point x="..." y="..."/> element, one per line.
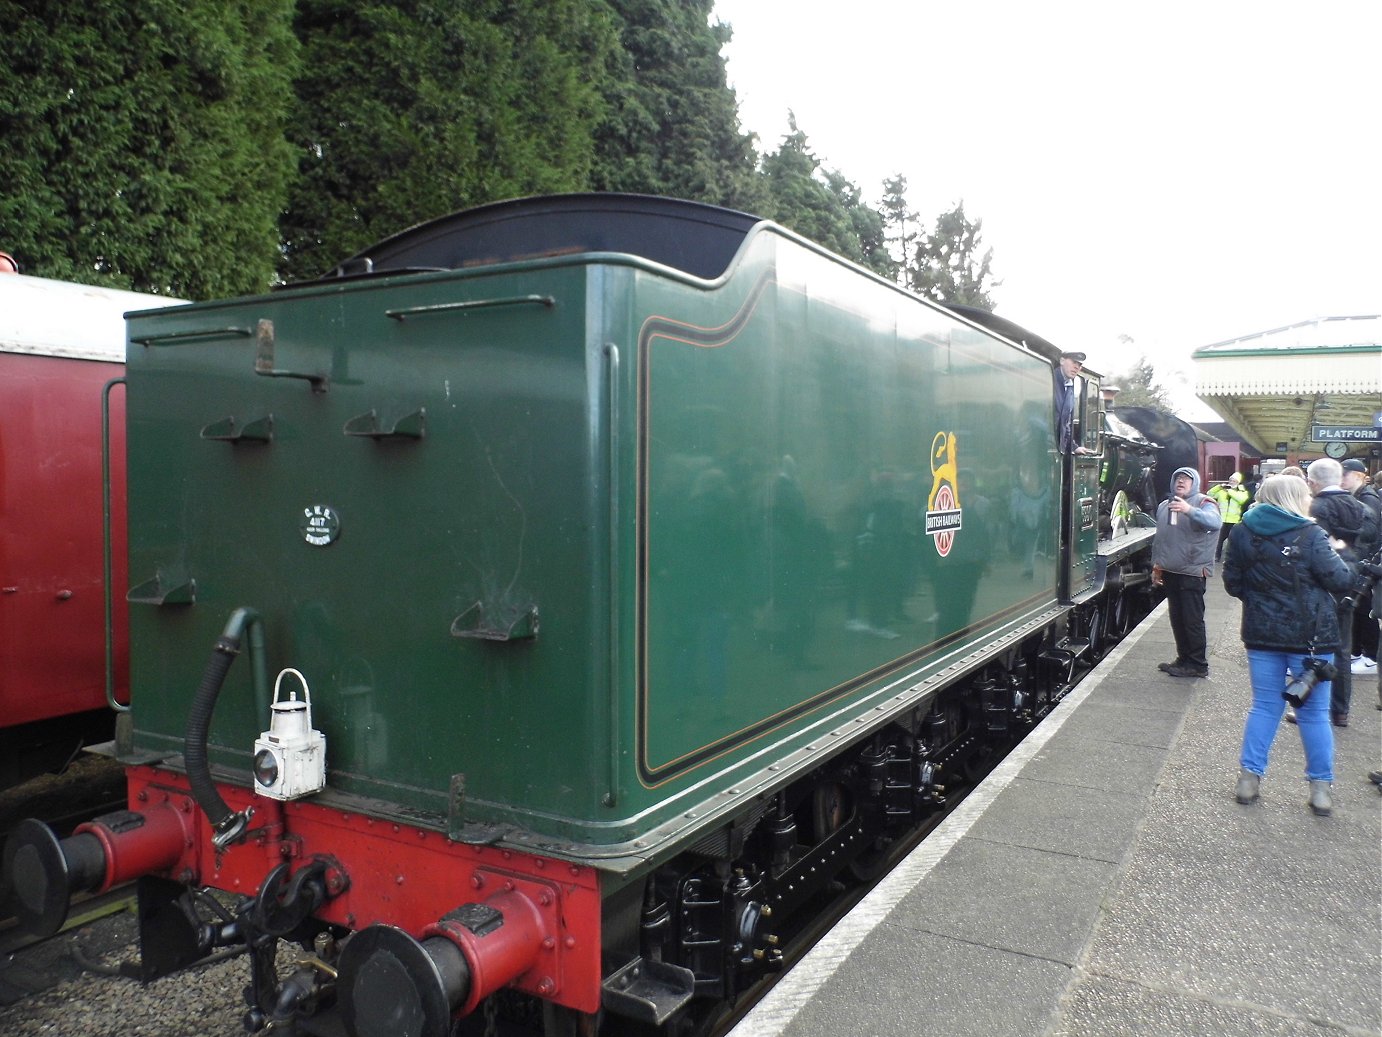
<point x="199" y="728"/>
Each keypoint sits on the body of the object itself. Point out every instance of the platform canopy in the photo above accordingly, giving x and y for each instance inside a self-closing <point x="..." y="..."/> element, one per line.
<point x="1298" y="389"/>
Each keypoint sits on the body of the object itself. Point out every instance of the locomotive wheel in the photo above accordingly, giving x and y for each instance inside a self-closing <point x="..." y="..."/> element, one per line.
<point x="1119" y="614"/>
<point x="1098" y="630"/>
<point x="870" y="865"/>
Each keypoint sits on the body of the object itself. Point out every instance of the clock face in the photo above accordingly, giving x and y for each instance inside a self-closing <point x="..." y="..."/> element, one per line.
<point x="1336" y="450"/>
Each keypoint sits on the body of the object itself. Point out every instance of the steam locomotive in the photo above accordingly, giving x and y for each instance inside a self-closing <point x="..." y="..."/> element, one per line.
<point x="541" y="612"/>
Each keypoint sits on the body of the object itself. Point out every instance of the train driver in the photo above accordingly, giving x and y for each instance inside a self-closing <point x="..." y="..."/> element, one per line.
<point x="1071" y="364"/>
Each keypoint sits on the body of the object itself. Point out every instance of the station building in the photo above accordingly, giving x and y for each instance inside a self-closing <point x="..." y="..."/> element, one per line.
<point x="1296" y="393"/>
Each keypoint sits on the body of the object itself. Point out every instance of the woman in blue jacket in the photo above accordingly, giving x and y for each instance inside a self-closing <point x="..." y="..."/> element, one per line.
<point x="1284" y="568"/>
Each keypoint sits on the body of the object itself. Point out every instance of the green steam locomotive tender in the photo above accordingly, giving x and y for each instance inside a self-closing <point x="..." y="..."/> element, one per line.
<point x="589" y="583"/>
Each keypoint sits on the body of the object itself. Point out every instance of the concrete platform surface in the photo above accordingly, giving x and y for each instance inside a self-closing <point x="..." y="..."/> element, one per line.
<point x="1103" y="881"/>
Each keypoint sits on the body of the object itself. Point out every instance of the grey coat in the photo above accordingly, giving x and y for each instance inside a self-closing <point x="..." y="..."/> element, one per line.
<point x="1187" y="545"/>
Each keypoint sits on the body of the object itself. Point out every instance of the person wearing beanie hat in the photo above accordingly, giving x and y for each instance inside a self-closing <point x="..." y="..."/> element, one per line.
<point x="1187" y="528"/>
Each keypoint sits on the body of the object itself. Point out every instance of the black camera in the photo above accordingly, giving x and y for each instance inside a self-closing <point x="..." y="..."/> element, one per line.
<point x="1368" y="574"/>
<point x="1315" y="670"/>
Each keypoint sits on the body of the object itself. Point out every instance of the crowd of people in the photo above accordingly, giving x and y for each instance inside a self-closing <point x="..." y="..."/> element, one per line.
<point x="1301" y="553"/>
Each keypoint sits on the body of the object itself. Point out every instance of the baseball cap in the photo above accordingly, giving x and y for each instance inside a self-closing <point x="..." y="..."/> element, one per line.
<point x="1354" y="465"/>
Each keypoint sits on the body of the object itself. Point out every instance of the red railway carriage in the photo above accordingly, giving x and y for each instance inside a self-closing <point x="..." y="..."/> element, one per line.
<point x="60" y="344"/>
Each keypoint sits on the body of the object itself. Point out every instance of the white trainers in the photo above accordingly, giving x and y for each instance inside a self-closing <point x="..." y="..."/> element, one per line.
<point x="1364" y="666"/>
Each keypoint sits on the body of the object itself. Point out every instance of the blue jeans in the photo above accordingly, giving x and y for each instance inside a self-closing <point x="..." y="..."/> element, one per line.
<point x="1269" y="671"/>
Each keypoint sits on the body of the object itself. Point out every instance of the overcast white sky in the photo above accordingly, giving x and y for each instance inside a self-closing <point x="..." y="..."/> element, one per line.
<point x="1178" y="172"/>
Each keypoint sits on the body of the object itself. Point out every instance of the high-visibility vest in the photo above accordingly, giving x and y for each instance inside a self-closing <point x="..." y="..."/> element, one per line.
<point x="1231" y="501"/>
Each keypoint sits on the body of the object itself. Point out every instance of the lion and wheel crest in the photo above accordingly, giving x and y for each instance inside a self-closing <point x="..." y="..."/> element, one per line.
<point x="943" y="514"/>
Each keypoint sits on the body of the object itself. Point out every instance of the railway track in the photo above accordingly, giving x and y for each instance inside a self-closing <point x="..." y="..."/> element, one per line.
<point x="85" y="912"/>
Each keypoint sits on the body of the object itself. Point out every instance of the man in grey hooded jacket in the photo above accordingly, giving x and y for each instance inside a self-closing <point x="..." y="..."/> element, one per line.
<point x="1187" y="530"/>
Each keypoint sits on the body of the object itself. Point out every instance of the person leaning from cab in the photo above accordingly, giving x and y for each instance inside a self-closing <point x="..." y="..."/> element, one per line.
<point x="1187" y="528"/>
<point x="1232" y="498"/>
<point x="1071" y="364"/>
<point x="1286" y="570"/>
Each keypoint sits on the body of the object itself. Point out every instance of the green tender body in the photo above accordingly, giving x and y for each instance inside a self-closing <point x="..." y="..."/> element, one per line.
<point x="612" y="541"/>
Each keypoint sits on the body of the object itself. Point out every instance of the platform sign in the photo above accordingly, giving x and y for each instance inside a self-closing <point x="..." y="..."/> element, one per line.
<point x="1345" y="434"/>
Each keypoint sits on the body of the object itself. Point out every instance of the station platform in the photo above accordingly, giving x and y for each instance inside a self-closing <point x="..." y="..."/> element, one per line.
<point x="1104" y="881"/>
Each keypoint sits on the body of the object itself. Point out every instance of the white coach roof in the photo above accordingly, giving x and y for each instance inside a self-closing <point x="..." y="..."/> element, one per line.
<point x="58" y="318"/>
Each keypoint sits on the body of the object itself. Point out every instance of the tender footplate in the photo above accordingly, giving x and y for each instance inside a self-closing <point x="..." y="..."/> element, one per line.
<point x="648" y="991"/>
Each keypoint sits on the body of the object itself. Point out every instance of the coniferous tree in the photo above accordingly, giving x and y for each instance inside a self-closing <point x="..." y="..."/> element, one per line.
<point x="900" y="227"/>
<point x="141" y="145"/>
<point x="1139" y="386"/>
<point x="173" y="148"/>
<point x="948" y="267"/>
<point x="672" y="123"/>
<point x="820" y="204"/>
<point x="408" y="110"/>
<point x="865" y="222"/>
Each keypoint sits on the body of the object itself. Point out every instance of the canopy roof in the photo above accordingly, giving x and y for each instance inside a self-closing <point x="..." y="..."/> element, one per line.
<point x="1279" y="386"/>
